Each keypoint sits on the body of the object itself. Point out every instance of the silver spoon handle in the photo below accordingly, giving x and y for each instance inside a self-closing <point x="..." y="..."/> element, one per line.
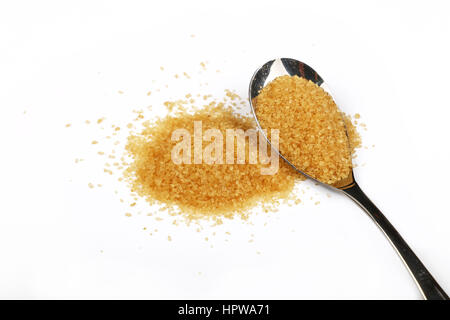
<point x="429" y="288"/>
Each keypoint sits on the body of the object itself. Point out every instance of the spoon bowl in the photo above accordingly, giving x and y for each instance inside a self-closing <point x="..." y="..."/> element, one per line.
<point x="427" y="285"/>
<point x="286" y="66"/>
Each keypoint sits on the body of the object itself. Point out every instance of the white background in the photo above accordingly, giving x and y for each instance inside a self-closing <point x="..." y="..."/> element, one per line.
<point x="65" y="61"/>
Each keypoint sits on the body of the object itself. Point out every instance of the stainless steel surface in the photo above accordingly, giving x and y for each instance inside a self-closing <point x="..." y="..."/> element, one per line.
<point x="427" y="285"/>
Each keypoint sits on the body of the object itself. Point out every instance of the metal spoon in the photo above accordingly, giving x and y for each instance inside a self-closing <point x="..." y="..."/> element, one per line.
<point x="429" y="288"/>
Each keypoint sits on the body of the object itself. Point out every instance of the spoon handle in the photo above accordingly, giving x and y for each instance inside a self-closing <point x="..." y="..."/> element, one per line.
<point x="429" y="288"/>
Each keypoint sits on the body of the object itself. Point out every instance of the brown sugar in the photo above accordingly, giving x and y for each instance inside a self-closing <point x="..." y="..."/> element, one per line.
<point x="210" y="191"/>
<point x="224" y="190"/>
<point x="312" y="130"/>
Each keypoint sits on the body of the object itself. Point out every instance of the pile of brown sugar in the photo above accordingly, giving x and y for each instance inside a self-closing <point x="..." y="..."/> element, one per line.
<point x="312" y="129"/>
<point x="210" y="191"/>
<point x="215" y="191"/>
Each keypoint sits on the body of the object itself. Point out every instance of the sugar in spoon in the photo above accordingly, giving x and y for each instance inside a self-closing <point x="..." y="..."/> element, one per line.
<point x="427" y="285"/>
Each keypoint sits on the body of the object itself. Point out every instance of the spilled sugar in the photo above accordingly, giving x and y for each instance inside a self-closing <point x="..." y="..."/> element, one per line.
<point x="198" y="191"/>
<point x="210" y="191"/>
